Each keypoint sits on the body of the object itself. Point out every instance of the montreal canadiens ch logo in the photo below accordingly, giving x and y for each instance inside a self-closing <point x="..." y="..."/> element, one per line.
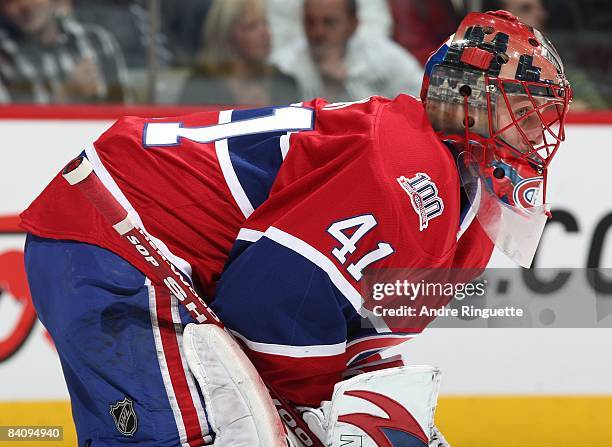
<point x="526" y="192"/>
<point x="400" y="428"/>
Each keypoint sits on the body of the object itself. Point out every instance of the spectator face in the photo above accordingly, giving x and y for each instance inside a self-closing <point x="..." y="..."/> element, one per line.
<point x="329" y="25"/>
<point x="250" y="34"/>
<point x="531" y="12"/>
<point x="29" y="16"/>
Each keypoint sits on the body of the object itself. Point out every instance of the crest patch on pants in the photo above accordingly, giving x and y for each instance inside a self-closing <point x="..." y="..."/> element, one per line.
<point x="423" y="196"/>
<point x="125" y="417"/>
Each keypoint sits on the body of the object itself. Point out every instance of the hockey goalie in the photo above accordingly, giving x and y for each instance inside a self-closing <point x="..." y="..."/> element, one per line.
<point x="273" y="216"/>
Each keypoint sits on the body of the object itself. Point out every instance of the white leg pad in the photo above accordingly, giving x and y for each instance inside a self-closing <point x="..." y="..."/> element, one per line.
<point x="238" y="404"/>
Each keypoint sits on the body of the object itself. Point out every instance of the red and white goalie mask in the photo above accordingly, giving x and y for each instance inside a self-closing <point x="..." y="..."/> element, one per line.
<point x="496" y="90"/>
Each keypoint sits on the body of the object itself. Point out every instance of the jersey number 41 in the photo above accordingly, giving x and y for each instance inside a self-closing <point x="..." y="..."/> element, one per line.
<point x="349" y="240"/>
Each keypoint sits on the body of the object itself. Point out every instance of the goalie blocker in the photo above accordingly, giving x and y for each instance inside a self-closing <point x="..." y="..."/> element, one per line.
<point x="388" y="408"/>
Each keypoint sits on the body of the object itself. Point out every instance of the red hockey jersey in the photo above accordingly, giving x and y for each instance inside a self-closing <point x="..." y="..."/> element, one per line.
<point x="288" y="206"/>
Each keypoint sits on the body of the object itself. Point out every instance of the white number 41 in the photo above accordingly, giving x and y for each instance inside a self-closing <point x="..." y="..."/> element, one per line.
<point x="349" y="240"/>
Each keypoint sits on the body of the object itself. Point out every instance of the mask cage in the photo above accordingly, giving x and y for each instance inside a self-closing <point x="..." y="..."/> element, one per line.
<point x="541" y="104"/>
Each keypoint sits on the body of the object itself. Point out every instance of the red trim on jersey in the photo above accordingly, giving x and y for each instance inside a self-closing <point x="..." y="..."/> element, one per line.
<point x="302" y="381"/>
<point x="175" y="367"/>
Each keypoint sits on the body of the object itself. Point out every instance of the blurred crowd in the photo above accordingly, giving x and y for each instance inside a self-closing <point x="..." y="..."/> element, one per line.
<point x="260" y="52"/>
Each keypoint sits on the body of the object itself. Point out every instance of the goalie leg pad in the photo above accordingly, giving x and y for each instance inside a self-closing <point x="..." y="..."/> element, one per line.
<point x="388" y="408"/>
<point x="239" y="406"/>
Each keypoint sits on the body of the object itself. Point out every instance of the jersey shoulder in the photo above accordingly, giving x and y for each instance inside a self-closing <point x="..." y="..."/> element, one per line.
<point x="155" y="132"/>
<point x="403" y="128"/>
<point x="346" y="118"/>
<point x="421" y="176"/>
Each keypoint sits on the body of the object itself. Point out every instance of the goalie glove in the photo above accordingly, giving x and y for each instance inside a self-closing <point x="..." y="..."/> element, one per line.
<point x="388" y="408"/>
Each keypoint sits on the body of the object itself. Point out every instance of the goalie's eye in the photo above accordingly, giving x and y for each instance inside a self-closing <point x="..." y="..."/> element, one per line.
<point x="522" y="112"/>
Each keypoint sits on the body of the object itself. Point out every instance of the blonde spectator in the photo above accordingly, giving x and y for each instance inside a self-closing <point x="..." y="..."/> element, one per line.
<point x="233" y="65"/>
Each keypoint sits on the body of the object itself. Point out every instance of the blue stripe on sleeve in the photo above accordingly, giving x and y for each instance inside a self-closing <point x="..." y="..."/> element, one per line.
<point x="270" y="294"/>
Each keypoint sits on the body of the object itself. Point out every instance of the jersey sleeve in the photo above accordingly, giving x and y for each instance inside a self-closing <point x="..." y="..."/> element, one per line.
<point x="280" y="298"/>
<point x="291" y="319"/>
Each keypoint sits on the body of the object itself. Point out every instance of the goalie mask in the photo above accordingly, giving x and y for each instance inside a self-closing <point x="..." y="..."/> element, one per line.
<point x="497" y="91"/>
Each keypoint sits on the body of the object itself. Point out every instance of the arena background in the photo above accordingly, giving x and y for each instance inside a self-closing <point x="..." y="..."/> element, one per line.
<point x="501" y="387"/>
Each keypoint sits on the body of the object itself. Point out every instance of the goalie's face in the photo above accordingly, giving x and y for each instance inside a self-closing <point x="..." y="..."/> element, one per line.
<point x="528" y="130"/>
<point x="528" y="125"/>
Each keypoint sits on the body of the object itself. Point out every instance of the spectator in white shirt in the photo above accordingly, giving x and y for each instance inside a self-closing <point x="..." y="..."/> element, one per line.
<point x="341" y="65"/>
<point x="286" y="20"/>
